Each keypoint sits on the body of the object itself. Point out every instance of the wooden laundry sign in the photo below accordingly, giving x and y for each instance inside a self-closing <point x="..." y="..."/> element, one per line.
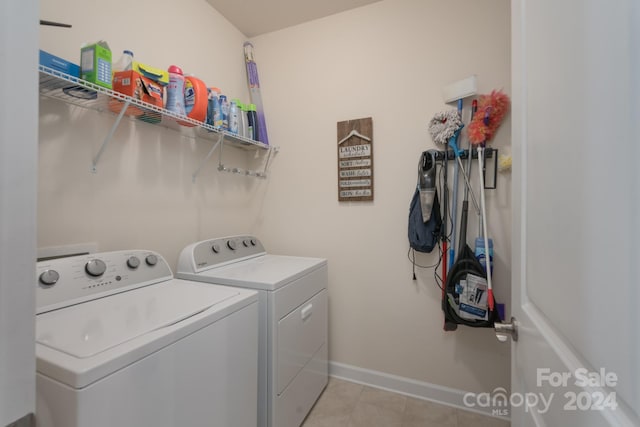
<point x="355" y="160"/>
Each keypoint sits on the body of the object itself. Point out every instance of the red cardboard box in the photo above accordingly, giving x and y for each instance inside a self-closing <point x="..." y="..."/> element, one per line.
<point x="137" y="86"/>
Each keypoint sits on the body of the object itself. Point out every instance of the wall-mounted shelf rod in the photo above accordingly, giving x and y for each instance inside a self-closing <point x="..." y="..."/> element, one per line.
<point x="488" y="154"/>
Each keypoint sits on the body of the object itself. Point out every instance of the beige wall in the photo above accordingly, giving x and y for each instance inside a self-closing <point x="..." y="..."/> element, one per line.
<point x="388" y="61"/>
<point x="142" y="195"/>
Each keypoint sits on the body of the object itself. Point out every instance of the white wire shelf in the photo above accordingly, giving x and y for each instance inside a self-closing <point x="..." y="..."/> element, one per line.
<point x="75" y="91"/>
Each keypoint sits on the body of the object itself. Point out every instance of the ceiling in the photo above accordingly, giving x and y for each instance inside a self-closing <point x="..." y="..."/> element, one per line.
<point x="255" y="17"/>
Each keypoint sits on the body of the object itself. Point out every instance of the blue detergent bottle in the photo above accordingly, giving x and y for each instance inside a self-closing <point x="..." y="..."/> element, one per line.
<point x="214" y="117"/>
<point x="234" y="117"/>
<point x="224" y="109"/>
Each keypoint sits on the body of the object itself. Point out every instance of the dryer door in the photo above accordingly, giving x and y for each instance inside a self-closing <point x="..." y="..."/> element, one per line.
<point x="300" y="335"/>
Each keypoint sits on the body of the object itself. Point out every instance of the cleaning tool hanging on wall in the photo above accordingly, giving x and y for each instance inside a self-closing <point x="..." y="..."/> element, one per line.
<point x="456" y="92"/>
<point x="445" y="129"/>
<point x="464" y="299"/>
<point x="423" y="233"/>
<point x="254" y="92"/>
<point x="442" y="127"/>
<point x="467" y="190"/>
<point x="492" y="109"/>
<point x="427" y="183"/>
<point x="424" y="211"/>
<point x="453" y="144"/>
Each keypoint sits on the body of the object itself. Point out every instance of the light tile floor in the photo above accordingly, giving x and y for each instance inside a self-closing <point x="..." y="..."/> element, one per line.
<point x="346" y="404"/>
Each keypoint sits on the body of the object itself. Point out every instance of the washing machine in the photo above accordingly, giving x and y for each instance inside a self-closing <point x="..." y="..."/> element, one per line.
<point x="292" y="311"/>
<point x="120" y="342"/>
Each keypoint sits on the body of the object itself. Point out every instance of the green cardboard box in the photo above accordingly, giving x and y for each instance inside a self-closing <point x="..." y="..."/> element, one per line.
<point x="95" y="64"/>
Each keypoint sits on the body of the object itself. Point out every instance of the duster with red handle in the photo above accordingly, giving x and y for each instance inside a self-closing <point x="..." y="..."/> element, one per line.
<point x="492" y="109"/>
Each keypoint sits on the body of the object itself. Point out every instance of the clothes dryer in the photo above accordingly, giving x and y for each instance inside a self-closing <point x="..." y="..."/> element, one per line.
<point x="292" y="302"/>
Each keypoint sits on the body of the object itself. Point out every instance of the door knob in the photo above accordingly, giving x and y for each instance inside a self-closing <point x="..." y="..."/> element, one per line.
<point x="506" y="330"/>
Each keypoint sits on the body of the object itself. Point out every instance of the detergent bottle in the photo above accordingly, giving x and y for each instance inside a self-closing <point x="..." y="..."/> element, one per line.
<point x="234" y="117"/>
<point x="175" y="91"/>
<point x="125" y="63"/>
<point x="253" y="122"/>
<point x="214" y="115"/>
<point x="224" y="110"/>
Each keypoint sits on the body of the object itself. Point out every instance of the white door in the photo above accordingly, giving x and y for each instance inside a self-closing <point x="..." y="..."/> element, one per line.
<point x="576" y="213"/>
<point x="18" y="173"/>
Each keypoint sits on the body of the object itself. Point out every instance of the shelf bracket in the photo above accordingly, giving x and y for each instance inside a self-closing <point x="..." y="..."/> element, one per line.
<point x="263" y="174"/>
<point x="94" y="164"/>
<point x="256" y="173"/>
<point x="207" y="157"/>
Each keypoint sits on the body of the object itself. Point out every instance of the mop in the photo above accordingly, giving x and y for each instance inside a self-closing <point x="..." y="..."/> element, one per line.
<point x="456" y="92"/>
<point x="493" y="108"/>
<point x="445" y="130"/>
<point x="453" y="144"/>
<point x="465" y="200"/>
<point x="444" y="126"/>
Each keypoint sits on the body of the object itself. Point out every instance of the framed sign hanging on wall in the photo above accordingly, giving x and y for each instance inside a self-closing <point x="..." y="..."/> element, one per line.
<point x="355" y="160"/>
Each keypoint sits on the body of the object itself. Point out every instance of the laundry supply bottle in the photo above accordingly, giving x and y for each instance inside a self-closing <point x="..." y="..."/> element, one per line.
<point x="175" y="91"/>
<point x="253" y="121"/>
<point x="217" y="109"/>
<point x="242" y="119"/>
<point x="224" y="109"/>
<point x="245" y="117"/>
<point x="195" y="99"/>
<point x="125" y="63"/>
<point x="250" y="125"/>
<point x="189" y="94"/>
<point x="213" y="109"/>
<point x="234" y="117"/>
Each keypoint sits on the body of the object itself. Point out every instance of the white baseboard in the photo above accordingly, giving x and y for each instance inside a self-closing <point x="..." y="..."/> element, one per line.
<point x="406" y="386"/>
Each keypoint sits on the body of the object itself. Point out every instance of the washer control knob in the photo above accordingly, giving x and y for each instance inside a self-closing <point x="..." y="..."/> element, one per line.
<point x="215" y="248"/>
<point x="253" y="242"/>
<point x="95" y="267"/>
<point x="151" y="260"/>
<point x="246" y="243"/>
<point x="49" y="277"/>
<point x="231" y="244"/>
<point x="133" y="262"/>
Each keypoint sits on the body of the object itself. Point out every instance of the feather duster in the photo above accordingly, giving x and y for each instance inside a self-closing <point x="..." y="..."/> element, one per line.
<point x="492" y="109"/>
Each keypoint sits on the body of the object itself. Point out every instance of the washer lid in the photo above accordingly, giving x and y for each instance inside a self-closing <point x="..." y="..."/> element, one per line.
<point x="268" y="272"/>
<point x="90" y="328"/>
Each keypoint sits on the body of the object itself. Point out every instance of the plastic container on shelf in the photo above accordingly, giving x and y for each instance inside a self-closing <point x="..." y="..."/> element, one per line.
<point x="175" y="91"/>
<point x="189" y="94"/>
<point x="213" y="104"/>
<point x="252" y="122"/>
<point x="242" y="119"/>
<point x="124" y="63"/>
<point x="195" y="99"/>
<point x="224" y="110"/>
<point x="234" y="117"/>
<point x="246" y="132"/>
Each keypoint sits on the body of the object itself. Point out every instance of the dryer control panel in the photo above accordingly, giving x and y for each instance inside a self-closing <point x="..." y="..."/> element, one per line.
<point x="220" y="251"/>
<point x="67" y="281"/>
